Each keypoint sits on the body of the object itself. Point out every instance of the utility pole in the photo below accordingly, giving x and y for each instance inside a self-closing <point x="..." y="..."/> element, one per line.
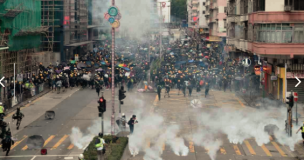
<point x="160" y="30"/>
<point x="113" y="79"/>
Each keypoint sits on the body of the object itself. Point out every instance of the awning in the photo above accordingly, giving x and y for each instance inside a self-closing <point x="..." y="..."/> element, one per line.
<point x="79" y="44"/>
<point x="92" y="26"/>
<point x="3" y="48"/>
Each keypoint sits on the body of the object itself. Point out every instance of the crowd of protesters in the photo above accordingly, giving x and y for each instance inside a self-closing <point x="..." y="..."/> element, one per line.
<point x="194" y="65"/>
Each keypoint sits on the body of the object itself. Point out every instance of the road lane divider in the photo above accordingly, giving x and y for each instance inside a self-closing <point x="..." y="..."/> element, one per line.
<point x="282" y="153"/>
<point x="266" y="150"/>
<point x="249" y="147"/>
<point x="237" y="150"/>
<point x="48" y="140"/>
<point x="59" y="142"/>
<point x="223" y="151"/>
<point x="191" y="146"/>
<point x="18" y="142"/>
<point x="148" y="144"/>
<point x="164" y="146"/>
<point x="71" y="146"/>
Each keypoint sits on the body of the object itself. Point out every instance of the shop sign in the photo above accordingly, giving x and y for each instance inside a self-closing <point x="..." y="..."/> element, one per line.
<point x="257" y="70"/>
<point x="294" y="75"/>
<point x="274" y="78"/>
<point x="214" y="39"/>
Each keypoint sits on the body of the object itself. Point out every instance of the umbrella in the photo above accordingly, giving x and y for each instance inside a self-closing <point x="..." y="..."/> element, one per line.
<point x="180" y="62"/>
<point x="81" y="65"/>
<point x="191" y="61"/>
<point x="239" y="78"/>
<point x="99" y="69"/>
<point x="102" y="62"/>
<point x="72" y="61"/>
<point x="172" y="53"/>
<point x="58" y="71"/>
<point x="125" y="68"/>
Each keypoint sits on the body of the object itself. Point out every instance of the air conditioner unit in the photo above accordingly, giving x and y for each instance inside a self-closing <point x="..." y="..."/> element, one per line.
<point x="287" y="8"/>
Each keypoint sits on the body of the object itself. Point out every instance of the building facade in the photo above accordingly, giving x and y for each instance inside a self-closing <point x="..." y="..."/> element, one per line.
<point x="196" y="14"/>
<point x="216" y="19"/>
<point x="272" y="33"/>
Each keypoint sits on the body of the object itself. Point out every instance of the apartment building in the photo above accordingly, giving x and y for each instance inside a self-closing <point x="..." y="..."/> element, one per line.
<point x="216" y="19"/>
<point x="196" y="15"/>
<point x="272" y="33"/>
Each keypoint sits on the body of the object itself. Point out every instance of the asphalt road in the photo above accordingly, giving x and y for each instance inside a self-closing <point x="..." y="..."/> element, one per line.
<point x="72" y="109"/>
<point x="177" y="110"/>
<point x="79" y="109"/>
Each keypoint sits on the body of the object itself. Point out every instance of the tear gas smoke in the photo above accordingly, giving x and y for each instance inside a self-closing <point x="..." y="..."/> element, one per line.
<point x="239" y="126"/>
<point x="81" y="139"/>
<point x="153" y="128"/>
<point x="136" y="16"/>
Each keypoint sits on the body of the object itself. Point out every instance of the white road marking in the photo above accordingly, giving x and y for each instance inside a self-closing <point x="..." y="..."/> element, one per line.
<point x="68" y="157"/>
<point x="33" y="158"/>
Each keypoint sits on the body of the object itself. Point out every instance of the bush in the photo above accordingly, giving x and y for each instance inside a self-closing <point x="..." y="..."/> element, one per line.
<point x="114" y="149"/>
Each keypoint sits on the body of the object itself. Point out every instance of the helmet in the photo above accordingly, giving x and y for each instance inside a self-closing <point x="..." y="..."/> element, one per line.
<point x="100" y="134"/>
<point x="81" y="156"/>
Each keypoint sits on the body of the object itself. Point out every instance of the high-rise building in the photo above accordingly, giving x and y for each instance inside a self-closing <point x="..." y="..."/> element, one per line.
<point x="216" y="19"/>
<point x="271" y="32"/>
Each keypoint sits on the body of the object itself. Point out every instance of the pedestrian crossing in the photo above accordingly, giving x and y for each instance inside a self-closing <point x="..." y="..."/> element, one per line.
<point x="248" y="148"/>
<point x="52" y="142"/>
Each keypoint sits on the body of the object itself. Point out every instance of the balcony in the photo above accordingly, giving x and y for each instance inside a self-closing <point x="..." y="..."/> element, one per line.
<point x="195" y="2"/>
<point x="194" y="14"/>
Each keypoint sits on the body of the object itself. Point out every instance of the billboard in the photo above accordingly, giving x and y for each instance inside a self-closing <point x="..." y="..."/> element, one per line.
<point x="164" y="10"/>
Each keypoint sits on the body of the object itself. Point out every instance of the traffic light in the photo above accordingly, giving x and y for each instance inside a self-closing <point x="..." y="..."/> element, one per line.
<point x="121" y="94"/>
<point x="291" y="100"/>
<point x="102" y="105"/>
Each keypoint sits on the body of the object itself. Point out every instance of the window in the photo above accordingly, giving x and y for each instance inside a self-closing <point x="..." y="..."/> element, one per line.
<point x="203" y="12"/>
<point x="298" y="33"/>
<point x="225" y="23"/>
<point x="280" y="33"/>
<point x="298" y="4"/>
<point x="258" y="5"/>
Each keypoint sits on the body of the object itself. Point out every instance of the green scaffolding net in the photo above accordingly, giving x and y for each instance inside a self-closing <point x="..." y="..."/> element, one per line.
<point x="23" y="19"/>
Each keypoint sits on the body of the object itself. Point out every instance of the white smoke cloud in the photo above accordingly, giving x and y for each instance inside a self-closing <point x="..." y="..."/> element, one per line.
<point x="240" y="125"/>
<point x="237" y="125"/>
<point x="136" y="16"/>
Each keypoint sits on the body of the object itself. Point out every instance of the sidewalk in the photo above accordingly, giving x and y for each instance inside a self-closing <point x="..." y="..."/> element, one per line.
<point x="37" y="108"/>
<point x="11" y="109"/>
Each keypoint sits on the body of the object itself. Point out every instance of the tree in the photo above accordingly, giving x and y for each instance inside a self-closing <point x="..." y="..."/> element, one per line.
<point x="179" y="9"/>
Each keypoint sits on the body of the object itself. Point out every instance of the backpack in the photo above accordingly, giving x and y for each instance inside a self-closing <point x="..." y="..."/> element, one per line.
<point x="201" y="82"/>
<point x="129" y="123"/>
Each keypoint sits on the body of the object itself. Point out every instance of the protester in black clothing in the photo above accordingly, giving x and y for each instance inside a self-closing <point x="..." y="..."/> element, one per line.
<point x="97" y="86"/>
<point x="131" y="123"/>
<point x="7" y="142"/>
<point x="159" y="91"/>
<point x="206" y="89"/>
<point x="190" y="87"/>
<point x="302" y="131"/>
<point x="184" y="89"/>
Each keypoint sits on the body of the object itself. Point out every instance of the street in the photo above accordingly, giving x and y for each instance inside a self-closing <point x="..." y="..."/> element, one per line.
<point x="73" y="108"/>
<point x="78" y="108"/>
<point x="177" y="110"/>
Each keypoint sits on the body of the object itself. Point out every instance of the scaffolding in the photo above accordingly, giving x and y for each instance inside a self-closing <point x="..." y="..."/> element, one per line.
<point x="49" y="9"/>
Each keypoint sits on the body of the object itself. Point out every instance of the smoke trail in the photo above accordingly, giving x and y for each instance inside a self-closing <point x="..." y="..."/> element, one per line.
<point x="241" y="125"/>
<point x="81" y="139"/>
